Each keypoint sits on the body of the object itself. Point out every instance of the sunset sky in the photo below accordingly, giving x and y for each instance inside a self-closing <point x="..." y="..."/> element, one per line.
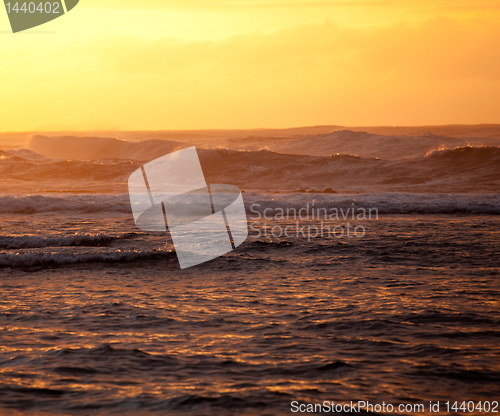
<point x="188" y="64"/>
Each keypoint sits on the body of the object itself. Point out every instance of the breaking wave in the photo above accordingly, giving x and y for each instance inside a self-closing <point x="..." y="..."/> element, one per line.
<point x="385" y="203"/>
<point x="46" y="259"/>
<point x="86" y="240"/>
<point x="35" y="204"/>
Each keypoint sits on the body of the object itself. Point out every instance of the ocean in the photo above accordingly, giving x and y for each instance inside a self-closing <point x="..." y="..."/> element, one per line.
<point x="319" y="306"/>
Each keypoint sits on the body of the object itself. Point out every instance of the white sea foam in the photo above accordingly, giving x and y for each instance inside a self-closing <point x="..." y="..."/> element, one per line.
<point x="11" y="242"/>
<point x="37" y="258"/>
<point x="34" y="204"/>
<point x="386" y="203"/>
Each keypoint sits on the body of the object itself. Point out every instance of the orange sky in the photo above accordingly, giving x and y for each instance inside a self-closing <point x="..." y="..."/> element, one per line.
<point x="180" y="64"/>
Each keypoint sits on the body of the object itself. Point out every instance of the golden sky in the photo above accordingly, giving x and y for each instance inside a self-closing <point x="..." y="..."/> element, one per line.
<point x="188" y="64"/>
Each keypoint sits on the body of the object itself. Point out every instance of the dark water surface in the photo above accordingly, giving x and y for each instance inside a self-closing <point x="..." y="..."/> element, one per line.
<point x="108" y="324"/>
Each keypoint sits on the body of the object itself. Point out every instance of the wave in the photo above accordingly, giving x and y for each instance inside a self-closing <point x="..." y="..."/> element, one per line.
<point x="362" y="144"/>
<point x="457" y="170"/>
<point x="467" y="154"/>
<point x="474" y="172"/>
<point x="35" y="204"/>
<point x="369" y="145"/>
<point x="95" y="148"/>
<point x="255" y="202"/>
<point x="85" y="240"/>
<point x="45" y="259"/>
<point x="384" y="203"/>
<point x="30" y="166"/>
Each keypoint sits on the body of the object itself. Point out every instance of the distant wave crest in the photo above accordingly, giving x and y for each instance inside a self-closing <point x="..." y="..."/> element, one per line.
<point x="346" y="162"/>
